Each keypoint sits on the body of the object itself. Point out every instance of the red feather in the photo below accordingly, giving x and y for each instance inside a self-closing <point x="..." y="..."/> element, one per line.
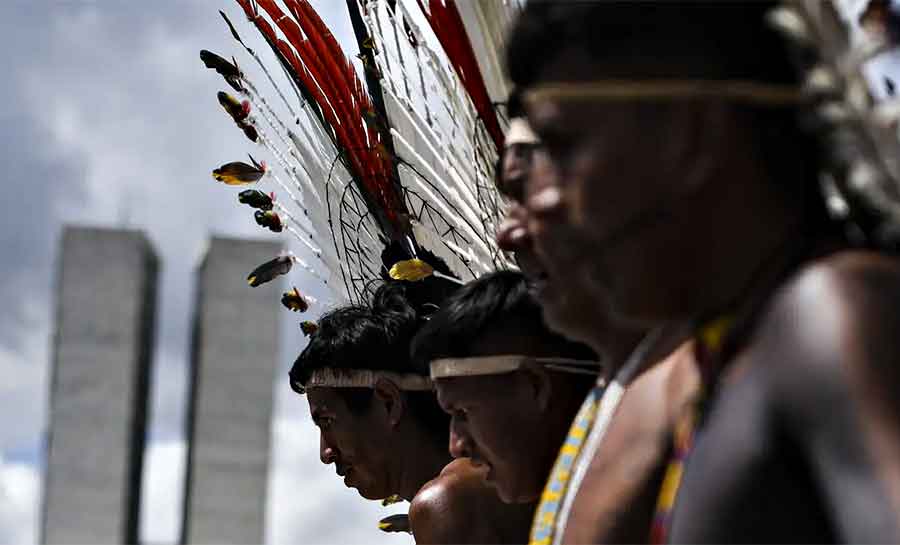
<point x="447" y="24"/>
<point x="330" y="78"/>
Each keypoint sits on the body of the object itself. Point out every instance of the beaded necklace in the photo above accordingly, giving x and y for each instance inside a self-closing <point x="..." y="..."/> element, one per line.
<point x="716" y="341"/>
<point x="707" y="351"/>
<point x="582" y="442"/>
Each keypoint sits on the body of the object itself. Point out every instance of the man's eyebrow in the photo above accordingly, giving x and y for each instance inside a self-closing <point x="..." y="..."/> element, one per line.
<point x="445" y="402"/>
<point x="317" y="414"/>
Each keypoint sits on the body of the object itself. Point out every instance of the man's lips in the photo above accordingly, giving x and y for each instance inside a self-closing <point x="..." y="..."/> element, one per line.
<point x="342" y="470"/>
<point x="482" y="466"/>
<point x="529" y="265"/>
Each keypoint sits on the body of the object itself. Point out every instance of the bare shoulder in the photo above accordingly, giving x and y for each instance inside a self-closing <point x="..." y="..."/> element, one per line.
<point x="834" y="326"/>
<point x="834" y="302"/>
<point x="458" y="482"/>
<point x="445" y="509"/>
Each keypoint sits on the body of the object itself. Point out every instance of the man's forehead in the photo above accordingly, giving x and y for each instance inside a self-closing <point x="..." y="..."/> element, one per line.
<point x="453" y="390"/>
<point x="323" y="399"/>
<point x="543" y="113"/>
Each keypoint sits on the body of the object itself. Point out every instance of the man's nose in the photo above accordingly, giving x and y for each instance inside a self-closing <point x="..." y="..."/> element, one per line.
<point x="513" y="234"/>
<point x="459" y="444"/>
<point x="327" y="453"/>
<point x="543" y="194"/>
<point x="545" y="202"/>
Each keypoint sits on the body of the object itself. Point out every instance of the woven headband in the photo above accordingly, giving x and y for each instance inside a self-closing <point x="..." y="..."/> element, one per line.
<point x="361" y="378"/>
<point x="498" y="365"/>
<point x="519" y="132"/>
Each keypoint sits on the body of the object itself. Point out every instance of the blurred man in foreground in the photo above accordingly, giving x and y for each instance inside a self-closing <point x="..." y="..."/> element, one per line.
<point x="670" y="131"/>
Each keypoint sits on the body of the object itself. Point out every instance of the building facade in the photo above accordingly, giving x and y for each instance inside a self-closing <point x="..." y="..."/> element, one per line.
<point x="233" y="363"/>
<point x="102" y="353"/>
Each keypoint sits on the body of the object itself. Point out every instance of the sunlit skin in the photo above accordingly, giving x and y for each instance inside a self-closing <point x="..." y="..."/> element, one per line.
<point x="665" y="201"/>
<point x="449" y="502"/>
<point x="512" y="424"/>
<point x="364" y="446"/>
<point x="482" y="420"/>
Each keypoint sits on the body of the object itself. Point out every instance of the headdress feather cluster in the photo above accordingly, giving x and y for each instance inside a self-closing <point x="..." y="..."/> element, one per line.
<point x="387" y="173"/>
<point x="861" y="175"/>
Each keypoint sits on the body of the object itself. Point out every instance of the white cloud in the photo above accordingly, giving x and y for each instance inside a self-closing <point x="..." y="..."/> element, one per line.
<point x="23" y="394"/>
<point x="19" y="496"/>
<point x="115" y="99"/>
<point x="164" y="464"/>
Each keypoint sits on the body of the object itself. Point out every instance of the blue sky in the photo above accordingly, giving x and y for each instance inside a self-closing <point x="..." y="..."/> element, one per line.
<point x="109" y="118"/>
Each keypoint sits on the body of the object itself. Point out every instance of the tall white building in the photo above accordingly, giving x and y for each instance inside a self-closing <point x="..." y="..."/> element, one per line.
<point x="102" y="344"/>
<point x="233" y="363"/>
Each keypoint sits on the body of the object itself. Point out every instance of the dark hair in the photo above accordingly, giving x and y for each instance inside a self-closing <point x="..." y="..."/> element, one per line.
<point x="734" y="37"/>
<point x="493" y="301"/>
<point x="373" y="337"/>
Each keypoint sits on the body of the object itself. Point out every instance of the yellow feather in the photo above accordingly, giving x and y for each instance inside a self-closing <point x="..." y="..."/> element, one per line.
<point x="411" y="270"/>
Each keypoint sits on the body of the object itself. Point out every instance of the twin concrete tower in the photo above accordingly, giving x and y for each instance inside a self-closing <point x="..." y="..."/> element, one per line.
<point x="102" y="358"/>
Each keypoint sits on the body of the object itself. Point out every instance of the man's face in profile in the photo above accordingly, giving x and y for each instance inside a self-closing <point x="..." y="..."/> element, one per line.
<point x="606" y="198"/>
<point x="519" y="150"/>
<point x="354" y="440"/>
<point x="491" y="423"/>
<point x="501" y="421"/>
<point x="523" y="153"/>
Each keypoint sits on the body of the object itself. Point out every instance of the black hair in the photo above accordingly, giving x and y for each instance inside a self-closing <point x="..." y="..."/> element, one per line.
<point x="377" y="337"/>
<point x="734" y="37"/>
<point x="496" y="300"/>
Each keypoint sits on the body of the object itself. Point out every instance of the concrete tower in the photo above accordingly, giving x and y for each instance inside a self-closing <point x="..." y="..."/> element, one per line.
<point x="106" y="300"/>
<point x="234" y="358"/>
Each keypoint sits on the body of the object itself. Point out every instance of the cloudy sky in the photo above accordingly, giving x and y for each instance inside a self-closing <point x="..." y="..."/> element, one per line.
<point x="108" y="118"/>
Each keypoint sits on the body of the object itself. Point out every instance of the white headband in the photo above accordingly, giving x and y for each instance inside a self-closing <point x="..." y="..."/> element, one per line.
<point x="520" y="132"/>
<point x="498" y="365"/>
<point x="361" y="378"/>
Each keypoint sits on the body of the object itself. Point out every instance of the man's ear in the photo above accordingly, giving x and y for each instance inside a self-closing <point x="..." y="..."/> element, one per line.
<point x="391" y="398"/>
<point x="540" y="386"/>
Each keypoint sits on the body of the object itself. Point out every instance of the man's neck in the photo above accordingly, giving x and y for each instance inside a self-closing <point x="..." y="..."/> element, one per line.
<point x="430" y="458"/>
<point x="751" y="252"/>
<point x="616" y="347"/>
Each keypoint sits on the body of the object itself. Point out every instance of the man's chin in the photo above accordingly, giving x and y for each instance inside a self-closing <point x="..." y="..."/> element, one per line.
<point x="367" y="493"/>
<point x="512" y="497"/>
<point x="565" y="318"/>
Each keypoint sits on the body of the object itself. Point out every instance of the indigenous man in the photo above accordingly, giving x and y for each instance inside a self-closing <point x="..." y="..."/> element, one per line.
<point x="620" y="481"/>
<point x="510" y="385"/>
<point x="382" y="427"/>
<point x="579" y="312"/>
<point x="678" y="164"/>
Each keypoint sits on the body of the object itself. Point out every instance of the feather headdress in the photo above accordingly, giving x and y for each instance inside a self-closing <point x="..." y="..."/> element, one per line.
<point x="861" y="176"/>
<point x="391" y="171"/>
